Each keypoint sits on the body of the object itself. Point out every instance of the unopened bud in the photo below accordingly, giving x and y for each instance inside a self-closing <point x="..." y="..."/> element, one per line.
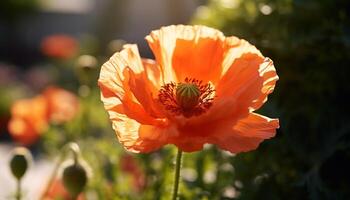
<point x="87" y="62"/>
<point x="20" y="162"/>
<point x="115" y="46"/>
<point x="74" y="178"/>
<point x="86" y="69"/>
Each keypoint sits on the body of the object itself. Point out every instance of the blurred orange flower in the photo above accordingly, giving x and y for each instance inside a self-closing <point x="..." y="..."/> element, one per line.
<point x="59" y="46"/>
<point x="130" y="166"/>
<point x="202" y="88"/>
<point x="62" y="104"/>
<point x="30" y="117"/>
<point x="57" y="191"/>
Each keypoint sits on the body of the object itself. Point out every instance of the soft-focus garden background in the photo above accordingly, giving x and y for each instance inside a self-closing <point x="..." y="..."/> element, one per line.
<point x="308" y="40"/>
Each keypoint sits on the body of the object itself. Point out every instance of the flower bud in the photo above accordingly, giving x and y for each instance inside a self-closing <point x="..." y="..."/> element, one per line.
<point x="86" y="69"/>
<point x="115" y="46"/>
<point x="87" y="62"/>
<point x="19" y="162"/>
<point x="74" y="179"/>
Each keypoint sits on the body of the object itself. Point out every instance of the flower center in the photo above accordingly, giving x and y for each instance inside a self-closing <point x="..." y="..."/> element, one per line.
<point x="187" y="95"/>
<point x="190" y="98"/>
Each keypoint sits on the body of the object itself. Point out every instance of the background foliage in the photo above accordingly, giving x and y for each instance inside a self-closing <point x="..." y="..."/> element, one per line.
<point x="309" y="42"/>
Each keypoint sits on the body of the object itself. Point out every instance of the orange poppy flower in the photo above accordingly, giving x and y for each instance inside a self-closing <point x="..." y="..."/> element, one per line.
<point x="28" y="120"/>
<point x="62" y="104"/>
<point x="30" y="117"/>
<point x="59" y="46"/>
<point x="202" y="88"/>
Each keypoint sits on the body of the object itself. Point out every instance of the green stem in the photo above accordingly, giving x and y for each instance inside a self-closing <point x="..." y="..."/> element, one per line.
<point x="18" y="192"/>
<point x="177" y="174"/>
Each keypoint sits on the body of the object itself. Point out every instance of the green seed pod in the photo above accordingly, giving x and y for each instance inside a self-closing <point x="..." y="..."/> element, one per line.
<point x="74" y="179"/>
<point x="20" y="162"/>
<point x="187" y="95"/>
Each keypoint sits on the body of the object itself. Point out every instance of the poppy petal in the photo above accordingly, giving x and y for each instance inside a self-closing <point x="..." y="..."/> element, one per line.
<point x="239" y="87"/>
<point x="33" y="110"/>
<point x="243" y="72"/>
<point x="235" y="93"/>
<point x="152" y="138"/>
<point x="237" y="49"/>
<point x="188" y="52"/>
<point x="136" y="137"/>
<point x="190" y="144"/>
<point x="22" y="131"/>
<point x="145" y="92"/>
<point x="247" y="134"/>
<point x="256" y="125"/>
<point x="63" y="105"/>
<point x="153" y="72"/>
<point x="29" y="119"/>
<point x="126" y="129"/>
<point x="118" y="85"/>
<point x="269" y="75"/>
